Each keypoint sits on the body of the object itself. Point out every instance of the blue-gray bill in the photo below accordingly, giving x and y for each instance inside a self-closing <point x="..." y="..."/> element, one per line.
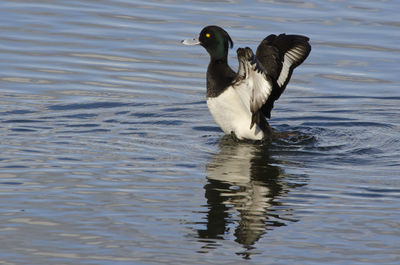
<point x="194" y="41"/>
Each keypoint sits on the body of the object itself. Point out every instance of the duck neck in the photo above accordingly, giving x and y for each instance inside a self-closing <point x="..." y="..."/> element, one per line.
<point x="219" y="76"/>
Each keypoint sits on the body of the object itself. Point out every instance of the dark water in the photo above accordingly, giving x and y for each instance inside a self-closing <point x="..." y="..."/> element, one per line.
<point x="110" y="156"/>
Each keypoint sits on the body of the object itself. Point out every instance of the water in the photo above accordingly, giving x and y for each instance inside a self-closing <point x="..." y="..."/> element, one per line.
<point x="110" y="156"/>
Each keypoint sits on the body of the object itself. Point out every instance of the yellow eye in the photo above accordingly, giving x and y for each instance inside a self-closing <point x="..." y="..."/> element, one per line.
<point x="208" y="35"/>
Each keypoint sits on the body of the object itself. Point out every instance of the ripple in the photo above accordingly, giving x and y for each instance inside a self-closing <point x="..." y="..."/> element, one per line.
<point x="347" y="124"/>
<point x="12" y="183"/>
<point x="21" y="121"/>
<point x="361" y="46"/>
<point x="95" y="105"/>
<point x="354" y="78"/>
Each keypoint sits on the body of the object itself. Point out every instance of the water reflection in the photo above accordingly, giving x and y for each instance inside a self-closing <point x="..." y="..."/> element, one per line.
<point x="243" y="193"/>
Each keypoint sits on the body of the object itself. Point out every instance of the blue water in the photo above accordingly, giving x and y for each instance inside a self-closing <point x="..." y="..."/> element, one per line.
<point x="108" y="153"/>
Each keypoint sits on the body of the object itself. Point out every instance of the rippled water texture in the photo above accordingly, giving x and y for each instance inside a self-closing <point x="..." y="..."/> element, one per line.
<point x="110" y="156"/>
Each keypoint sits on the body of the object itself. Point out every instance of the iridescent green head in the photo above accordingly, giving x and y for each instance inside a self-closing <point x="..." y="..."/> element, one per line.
<point x="215" y="40"/>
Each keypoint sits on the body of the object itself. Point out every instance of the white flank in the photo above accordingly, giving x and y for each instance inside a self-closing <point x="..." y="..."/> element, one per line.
<point x="232" y="115"/>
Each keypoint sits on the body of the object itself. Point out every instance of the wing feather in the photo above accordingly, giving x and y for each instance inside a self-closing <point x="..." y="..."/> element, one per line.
<point x="252" y="84"/>
<point x="279" y="56"/>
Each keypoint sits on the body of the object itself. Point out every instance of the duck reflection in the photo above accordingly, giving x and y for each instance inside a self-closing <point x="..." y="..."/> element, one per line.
<point x="243" y="193"/>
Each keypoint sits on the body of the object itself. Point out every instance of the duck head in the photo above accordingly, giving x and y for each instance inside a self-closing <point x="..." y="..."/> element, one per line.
<point x="215" y="40"/>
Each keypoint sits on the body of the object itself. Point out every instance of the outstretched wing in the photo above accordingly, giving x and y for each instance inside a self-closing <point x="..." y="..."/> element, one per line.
<point x="253" y="85"/>
<point x="279" y="55"/>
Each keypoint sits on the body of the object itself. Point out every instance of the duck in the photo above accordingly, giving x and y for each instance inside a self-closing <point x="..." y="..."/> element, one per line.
<point x="241" y="102"/>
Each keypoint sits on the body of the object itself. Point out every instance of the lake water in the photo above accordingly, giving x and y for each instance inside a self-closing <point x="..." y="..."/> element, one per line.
<point x="109" y="155"/>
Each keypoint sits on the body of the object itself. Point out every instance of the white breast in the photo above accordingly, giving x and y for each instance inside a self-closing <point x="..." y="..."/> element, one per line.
<point x="232" y="115"/>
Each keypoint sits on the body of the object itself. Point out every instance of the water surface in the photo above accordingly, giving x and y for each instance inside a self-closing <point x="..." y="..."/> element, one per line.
<point x="110" y="156"/>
